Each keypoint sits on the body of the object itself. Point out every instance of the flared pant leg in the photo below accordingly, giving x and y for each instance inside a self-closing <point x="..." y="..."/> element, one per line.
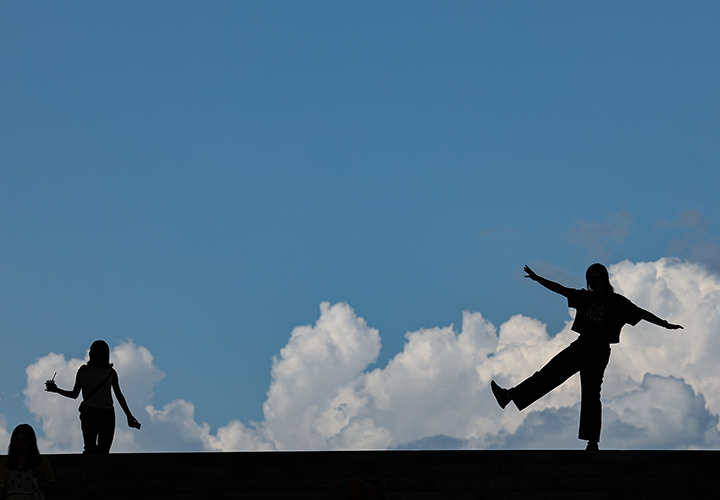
<point x="591" y="378"/>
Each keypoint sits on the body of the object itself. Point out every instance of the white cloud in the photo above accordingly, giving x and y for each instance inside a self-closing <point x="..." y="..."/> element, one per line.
<point x="683" y="293"/>
<point x="663" y="413"/>
<point x="59" y="416"/>
<point x="174" y="428"/>
<point x="662" y="388"/>
<point x="438" y="384"/>
<point x="4" y="434"/>
<point x="312" y="369"/>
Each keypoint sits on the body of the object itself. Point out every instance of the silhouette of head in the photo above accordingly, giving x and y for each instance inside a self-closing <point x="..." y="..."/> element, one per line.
<point x="100" y="354"/>
<point x="23" y="442"/>
<point x="598" y="279"/>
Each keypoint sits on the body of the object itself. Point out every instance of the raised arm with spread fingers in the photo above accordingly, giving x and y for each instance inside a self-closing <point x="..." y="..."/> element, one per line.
<point x="550" y="285"/>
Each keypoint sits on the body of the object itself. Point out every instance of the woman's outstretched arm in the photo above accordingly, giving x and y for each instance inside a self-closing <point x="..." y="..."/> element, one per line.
<point x="550" y="285"/>
<point x="650" y="317"/>
<point x="51" y="387"/>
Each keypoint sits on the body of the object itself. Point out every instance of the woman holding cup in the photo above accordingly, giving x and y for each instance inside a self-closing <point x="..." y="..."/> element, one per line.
<point x="95" y="379"/>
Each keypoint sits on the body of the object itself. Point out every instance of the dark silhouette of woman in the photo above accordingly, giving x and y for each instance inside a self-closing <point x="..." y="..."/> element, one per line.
<point x="97" y="414"/>
<point x="601" y="314"/>
<point x="24" y="472"/>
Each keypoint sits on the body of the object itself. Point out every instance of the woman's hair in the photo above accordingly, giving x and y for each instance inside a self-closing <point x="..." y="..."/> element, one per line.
<point x="602" y="271"/>
<point x="32" y="459"/>
<point x="100" y="354"/>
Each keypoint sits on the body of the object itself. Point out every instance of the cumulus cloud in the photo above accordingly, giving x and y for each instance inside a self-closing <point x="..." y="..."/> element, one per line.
<point x="312" y="369"/>
<point x="662" y="413"/>
<point x="684" y="293"/>
<point x="436" y="389"/>
<point x="174" y="428"/>
<point x="4" y="434"/>
<point x="662" y="387"/>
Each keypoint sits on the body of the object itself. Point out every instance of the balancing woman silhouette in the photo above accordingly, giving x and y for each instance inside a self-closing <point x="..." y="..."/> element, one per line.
<point x="601" y="314"/>
<point x="97" y="415"/>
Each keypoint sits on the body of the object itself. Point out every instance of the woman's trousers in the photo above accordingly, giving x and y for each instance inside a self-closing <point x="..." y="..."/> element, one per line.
<point x="588" y="357"/>
<point x="98" y="428"/>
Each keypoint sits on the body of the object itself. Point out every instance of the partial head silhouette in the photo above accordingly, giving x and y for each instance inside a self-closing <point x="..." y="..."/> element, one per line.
<point x="598" y="279"/>
<point x="100" y="354"/>
<point x="23" y="442"/>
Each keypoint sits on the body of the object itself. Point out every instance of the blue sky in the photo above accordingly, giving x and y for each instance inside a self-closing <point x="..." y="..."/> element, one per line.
<point x="199" y="177"/>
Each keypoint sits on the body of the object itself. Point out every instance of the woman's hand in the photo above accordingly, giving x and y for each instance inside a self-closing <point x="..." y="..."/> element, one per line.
<point x="530" y="274"/>
<point x="51" y="387"/>
<point x="132" y="422"/>
<point x="671" y="326"/>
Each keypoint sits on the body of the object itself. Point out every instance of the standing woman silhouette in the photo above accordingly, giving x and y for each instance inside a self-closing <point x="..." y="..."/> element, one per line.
<point x="97" y="414"/>
<point x="601" y="314"/>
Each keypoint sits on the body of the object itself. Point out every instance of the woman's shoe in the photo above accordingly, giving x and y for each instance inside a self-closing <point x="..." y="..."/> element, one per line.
<point x="501" y="395"/>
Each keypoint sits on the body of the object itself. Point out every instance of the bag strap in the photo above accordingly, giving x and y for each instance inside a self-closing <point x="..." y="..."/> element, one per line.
<point x="98" y="387"/>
